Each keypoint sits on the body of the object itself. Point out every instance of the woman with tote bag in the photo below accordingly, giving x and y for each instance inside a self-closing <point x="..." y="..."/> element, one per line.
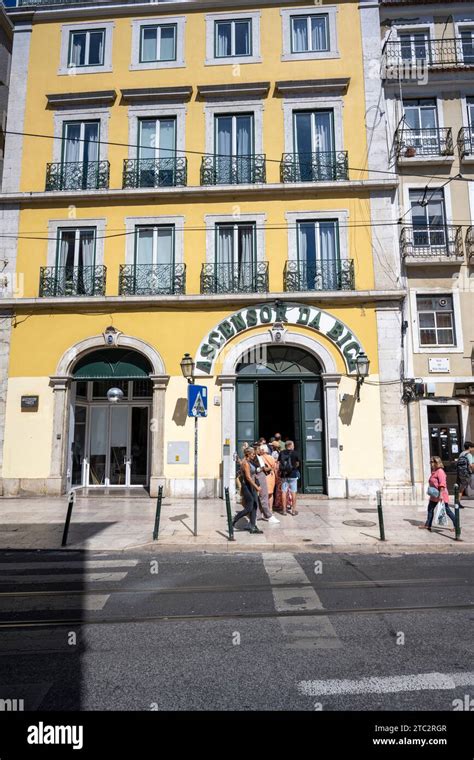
<point x="438" y="493"/>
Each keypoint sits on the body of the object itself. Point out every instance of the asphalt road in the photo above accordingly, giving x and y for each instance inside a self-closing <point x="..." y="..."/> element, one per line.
<point x="110" y="631"/>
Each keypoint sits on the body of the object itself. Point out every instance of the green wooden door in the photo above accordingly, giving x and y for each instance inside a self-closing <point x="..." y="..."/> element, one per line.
<point x="247" y="413"/>
<point x="313" y="473"/>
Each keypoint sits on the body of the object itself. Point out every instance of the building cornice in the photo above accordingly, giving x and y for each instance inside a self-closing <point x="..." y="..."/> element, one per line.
<point x="111" y="196"/>
<point x="116" y="9"/>
<point x="156" y="94"/>
<point x="246" y="89"/>
<point x="197" y="301"/>
<point x="313" y="86"/>
<point x="99" y="97"/>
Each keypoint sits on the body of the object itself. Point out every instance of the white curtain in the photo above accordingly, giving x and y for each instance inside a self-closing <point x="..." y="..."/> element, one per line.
<point x="244" y="148"/>
<point x="86" y="249"/>
<point x="167" y="138"/>
<point x="96" y="48"/>
<point x="318" y="33"/>
<point x="147" y="145"/>
<point x="78" y="50"/>
<point x="224" y="148"/>
<point x="72" y="147"/>
<point x="224" y="258"/>
<point x="144" y="252"/>
<point x="91" y="143"/>
<point x="323" y="131"/>
<point x="224" y="40"/>
<point x="167" y="43"/>
<point x="66" y="249"/>
<point x="300" y="35"/>
<point x="165" y="245"/>
<point x="246" y="257"/>
<point x="149" y="44"/>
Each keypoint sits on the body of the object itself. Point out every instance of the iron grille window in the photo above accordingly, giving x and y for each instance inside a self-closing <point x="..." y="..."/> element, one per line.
<point x="436" y="320"/>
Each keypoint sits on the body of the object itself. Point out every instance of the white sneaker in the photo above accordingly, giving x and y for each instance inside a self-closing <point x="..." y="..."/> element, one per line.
<point x="273" y="519"/>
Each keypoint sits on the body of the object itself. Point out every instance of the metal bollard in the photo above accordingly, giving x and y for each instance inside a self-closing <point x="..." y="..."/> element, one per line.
<point x="158" y="513"/>
<point x="380" y="514"/>
<point x="70" y="503"/>
<point x="229" y="514"/>
<point x="457" y="513"/>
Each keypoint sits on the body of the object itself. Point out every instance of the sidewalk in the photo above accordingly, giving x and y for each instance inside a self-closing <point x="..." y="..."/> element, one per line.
<point x="126" y="523"/>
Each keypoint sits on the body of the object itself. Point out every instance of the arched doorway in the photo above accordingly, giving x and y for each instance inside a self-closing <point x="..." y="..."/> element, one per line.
<point x="109" y="443"/>
<point x="281" y="391"/>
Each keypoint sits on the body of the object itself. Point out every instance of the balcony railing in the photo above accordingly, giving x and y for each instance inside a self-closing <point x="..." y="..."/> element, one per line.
<point x="320" y="275"/>
<point x="439" y="54"/>
<point x="466" y="142"/>
<point x="78" y="175"/>
<point x="233" y="170"/>
<point x="470" y="244"/>
<point x="410" y="143"/>
<point x="155" y="172"/>
<point x="72" y="281"/>
<point x="322" y="166"/>
<point x="436" y="241"/>
<point x="228" y="278"/>
<point x="152" y="279"/>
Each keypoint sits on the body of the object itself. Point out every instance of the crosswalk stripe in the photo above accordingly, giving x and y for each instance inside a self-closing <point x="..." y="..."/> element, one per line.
<point x="69" y="578"/>
<point x="387" y="684"/>
<point x="86" y="564"/>
<point x="91" y="603"/>
<point x="302" y="632"/>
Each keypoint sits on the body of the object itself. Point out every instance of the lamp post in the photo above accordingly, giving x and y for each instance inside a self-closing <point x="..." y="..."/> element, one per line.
<point x="187" y="368"/>
<point x="362" y="365"/>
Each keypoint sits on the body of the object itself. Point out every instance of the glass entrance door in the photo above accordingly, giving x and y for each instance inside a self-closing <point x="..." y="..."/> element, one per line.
<point x="114" y="452"/>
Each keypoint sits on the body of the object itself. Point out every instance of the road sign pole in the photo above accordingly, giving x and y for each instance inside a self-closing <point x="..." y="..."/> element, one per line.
<point x="195" y="473"/>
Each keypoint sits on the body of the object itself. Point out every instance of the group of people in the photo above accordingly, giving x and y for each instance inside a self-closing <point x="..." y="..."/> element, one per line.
<point x="268" y="478"/>
<point x="438" y="488"/>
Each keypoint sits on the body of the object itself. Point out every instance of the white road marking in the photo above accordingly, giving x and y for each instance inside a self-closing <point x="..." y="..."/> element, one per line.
<point x="91" y="603"/>
<point x="69" y="578"/>
<point x="86" y="564"/>
<point x="302" y="632"/>
<point x="387" y="685"/>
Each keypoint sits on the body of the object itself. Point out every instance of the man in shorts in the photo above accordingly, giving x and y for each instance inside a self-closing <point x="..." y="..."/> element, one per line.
<point x="289" y="471"/>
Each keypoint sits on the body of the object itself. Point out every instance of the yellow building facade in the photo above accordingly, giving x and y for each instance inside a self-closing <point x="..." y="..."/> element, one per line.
<point x="197" y="178"/>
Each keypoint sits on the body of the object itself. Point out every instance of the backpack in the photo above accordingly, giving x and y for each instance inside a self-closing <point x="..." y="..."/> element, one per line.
<point x="286" y="464"/>
<point x="463" y="468"/>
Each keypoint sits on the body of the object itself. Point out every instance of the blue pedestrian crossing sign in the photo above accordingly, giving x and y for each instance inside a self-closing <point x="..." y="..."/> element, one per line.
<point x="197" y="401"/>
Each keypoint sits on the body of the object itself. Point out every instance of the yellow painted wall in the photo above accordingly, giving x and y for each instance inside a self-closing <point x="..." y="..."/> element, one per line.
<point x="43" y="78"/>
<point x="28" y="435"/>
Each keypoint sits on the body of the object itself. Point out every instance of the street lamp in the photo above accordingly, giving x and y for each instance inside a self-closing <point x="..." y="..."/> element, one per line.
<point x="114" y="395"/>
<point x="362" y="366"/>
<point x="187" y="367"/>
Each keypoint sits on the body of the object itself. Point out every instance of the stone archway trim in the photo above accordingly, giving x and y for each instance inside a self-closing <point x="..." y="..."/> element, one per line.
<point x="83" y="347"/>
<point x="330" y="378"/>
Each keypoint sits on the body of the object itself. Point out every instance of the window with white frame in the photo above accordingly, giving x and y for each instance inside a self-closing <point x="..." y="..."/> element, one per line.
<point x="414" y="45"/>
<point x="436" y="320"/>
<point x="158" y="43"/>
<point x="233" y="38"/>
<point x="318" y="254"/>
<point x="467" y="43"/>
<point x="75" y="261"/>
<point x="154" y="245"/>
<point x="235" y="256"/>
<point x="86" y="48"/>
<point x="310" y="34"/>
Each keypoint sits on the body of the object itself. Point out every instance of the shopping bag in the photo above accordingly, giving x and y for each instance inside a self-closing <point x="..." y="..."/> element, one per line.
<point x="440" y="519"/>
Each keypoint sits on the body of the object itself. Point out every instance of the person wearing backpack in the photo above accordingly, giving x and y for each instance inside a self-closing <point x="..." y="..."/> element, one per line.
<point x="464" y="469"/>
<point x="289" y="464"/>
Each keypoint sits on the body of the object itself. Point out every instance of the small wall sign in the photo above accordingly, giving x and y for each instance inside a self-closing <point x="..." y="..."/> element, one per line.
<point x="438" y="364"/>
<point x="30" y="403"/>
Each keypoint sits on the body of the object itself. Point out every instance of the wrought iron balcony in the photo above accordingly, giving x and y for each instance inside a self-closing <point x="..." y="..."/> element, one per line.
<point x="322" y="166"/>
<point x="78" y="175"/>
<point x="320" y="275"/>
<point x="470" y="244"/>
<point x="233" y="170"/>
<point x="229" y="278"/>
<point x="435" y="54"/>
<point x="152" y="279"/>
<point x="72" y="281"/>
<point x="466" y="142"/>
<point x="428" y="143"/>
<point x="155" y="172"/>
<point x="442" y="243"/>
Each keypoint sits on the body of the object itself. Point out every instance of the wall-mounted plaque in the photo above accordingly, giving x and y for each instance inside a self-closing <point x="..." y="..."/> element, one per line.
<point x="30" y="403"/>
